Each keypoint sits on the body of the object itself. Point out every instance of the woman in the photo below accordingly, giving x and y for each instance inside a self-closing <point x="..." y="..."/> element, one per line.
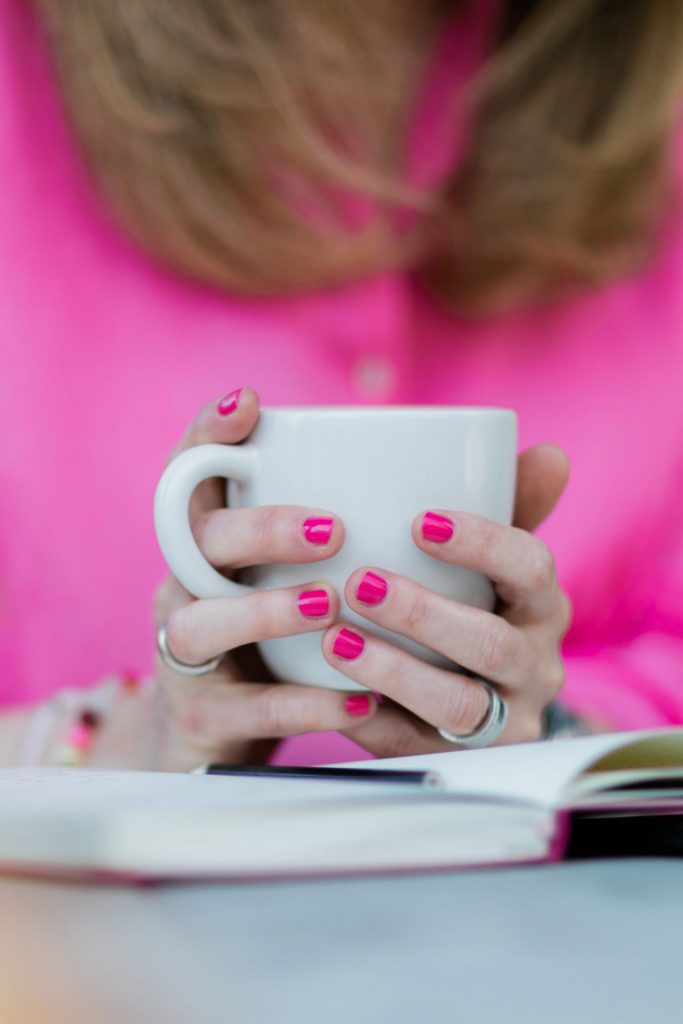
<point x="469" y="203"/>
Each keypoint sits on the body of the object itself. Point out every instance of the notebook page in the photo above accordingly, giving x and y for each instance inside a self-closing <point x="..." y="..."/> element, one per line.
<point x="539" y="773"/>
<point x="147" y="825"/>
<point x="659" y="750"/>
<point x="384" y="834"/>
<point x="99" y="792"/>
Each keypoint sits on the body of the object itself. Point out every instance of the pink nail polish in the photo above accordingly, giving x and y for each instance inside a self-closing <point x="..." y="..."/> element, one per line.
<point x="348" y="645"/>
<point x="357" y="705"/>
<point x="314" y="603"/>
<point x="318" y="529"/>
<point x="437" y="528"/>
<point x="372" y="589"/>
<point x="229" y="402"/>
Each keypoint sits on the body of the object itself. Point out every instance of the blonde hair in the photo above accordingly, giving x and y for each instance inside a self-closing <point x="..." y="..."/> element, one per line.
<point x="237" y="140"/>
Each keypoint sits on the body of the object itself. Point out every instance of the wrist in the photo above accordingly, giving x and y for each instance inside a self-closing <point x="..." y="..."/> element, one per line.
<point x="120" y="723"/>
<point x="105" y="726"/>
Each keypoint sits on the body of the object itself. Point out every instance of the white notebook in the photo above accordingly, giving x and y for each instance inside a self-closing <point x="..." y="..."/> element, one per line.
<point x="518" y="804"/>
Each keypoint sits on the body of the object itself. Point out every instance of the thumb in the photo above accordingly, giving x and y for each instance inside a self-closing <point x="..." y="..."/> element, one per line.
<point x="542" y="474"/>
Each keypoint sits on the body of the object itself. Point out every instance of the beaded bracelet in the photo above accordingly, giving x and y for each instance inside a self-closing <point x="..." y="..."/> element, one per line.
<point x="63" y="730"/>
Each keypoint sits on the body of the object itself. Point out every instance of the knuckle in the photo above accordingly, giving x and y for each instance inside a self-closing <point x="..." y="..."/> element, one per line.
<point x="264" y="527"/>
<point x="184" y="705"/>
<point x="261" y="617"/>
<point x="181" y="633"/>
<point x="497" y="648"/>
<point x="188" y="715"/>
<point x="309" y="718"/>
<point x="287" y="711"/>
<point x="487" y="542"/>
<point x="273" y="713"/>
<point x="565" y="613"/>
<point x="464" y="707"/>
<point x="555" y="676"/>
<point x="203" y="529"/>
<point x="418" y="611"/>
<point x="161" y="600"/>
<point x="542" y="569"/>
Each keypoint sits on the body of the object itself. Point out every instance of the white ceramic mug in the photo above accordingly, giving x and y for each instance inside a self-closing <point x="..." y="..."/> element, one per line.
<point x="376" y="468"/>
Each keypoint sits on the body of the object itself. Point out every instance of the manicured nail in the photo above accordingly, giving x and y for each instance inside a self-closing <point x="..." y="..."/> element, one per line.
<point x="437" y="528"/>
<point x="318" y="529"/>
<point x="358" y="704"/>
<point x="314" y="603"/>
<point x="229" y="402"/>
<point x="372" y="589"/>
<point x="348" y="645"/>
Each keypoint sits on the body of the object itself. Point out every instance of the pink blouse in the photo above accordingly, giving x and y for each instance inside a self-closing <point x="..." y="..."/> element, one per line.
<point x="105" y="358"/>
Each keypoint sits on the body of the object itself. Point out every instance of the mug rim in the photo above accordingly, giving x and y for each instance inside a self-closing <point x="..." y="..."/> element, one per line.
<point x="390" y="410"/>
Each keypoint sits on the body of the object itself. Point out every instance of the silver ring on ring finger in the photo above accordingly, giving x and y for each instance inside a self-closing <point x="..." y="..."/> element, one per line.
<point x="490" y="729"/>
<point x="181" y="667"/>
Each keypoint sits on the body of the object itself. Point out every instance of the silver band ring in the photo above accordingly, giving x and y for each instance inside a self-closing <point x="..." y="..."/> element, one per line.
<point x="181" y="667"/>
<point x="490" y="729"/>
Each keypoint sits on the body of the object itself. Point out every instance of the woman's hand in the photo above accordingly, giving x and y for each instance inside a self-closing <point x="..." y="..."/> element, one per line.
<point x="517" y="649"/>
<point x="238" y="712"/>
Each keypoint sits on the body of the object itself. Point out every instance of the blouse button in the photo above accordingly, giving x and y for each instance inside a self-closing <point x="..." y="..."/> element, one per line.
<point x="375" y="376"/>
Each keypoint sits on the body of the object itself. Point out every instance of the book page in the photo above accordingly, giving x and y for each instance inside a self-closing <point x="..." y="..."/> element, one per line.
<point x="539" y="773"/>
<point x="647" y="758"/>
<point x="155" y="826"/>
<point x="659" y="750"/>
<point x="94" y="791"/>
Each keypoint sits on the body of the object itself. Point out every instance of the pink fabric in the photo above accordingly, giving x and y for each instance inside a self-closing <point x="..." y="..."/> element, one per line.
<point x="106" y="357"/>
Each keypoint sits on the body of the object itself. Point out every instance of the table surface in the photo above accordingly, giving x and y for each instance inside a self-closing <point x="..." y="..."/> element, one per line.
<point x="563" y="944"/>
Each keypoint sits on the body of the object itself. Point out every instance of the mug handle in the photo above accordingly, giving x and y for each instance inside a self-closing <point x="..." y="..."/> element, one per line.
<point x="171" y="513"/>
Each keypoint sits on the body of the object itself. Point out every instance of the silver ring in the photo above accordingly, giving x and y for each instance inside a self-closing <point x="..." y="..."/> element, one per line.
<point x="180" y="666"/>
<point x="490" y="729"/>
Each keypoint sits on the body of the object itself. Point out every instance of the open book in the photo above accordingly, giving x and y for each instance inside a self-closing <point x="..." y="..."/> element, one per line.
<point x="519" y="804"/>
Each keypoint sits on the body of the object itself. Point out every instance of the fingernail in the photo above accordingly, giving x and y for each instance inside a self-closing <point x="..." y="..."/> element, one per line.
<point x="348" y="645"/>
<point x="229" y="402"/>
<point x="358" y="704"/>
<point x="437" y="528"/>
<point x="318" y="529"/>
<point x="372" y="589"/>
<point x="314" y="603"/>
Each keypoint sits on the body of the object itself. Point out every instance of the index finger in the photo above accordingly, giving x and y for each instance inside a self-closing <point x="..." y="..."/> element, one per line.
<point x="520" y="565"/>
<point x="225" y="420"/>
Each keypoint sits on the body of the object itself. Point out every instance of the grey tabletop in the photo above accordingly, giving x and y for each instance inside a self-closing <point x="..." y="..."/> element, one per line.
<point x="576" y="943"/>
